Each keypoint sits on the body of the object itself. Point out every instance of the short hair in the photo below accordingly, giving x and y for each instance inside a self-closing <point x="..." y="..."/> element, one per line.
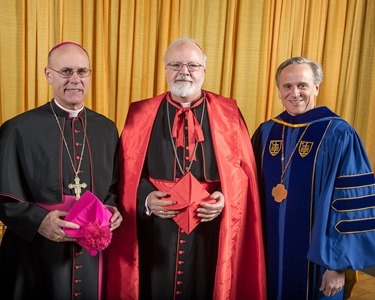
<point x="62" y="44"/>
<point x="181" y="41"/>
<point x="315" y="67"/>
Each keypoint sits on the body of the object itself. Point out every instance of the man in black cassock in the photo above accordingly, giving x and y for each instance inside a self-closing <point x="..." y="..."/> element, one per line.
<point x="49" y="157"/>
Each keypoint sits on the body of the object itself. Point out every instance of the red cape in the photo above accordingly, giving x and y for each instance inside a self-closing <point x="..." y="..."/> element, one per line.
<point x="240" y="267"/>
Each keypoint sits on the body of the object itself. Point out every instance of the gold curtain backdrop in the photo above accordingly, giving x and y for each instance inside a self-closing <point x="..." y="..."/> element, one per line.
<point x="245" y="41"/>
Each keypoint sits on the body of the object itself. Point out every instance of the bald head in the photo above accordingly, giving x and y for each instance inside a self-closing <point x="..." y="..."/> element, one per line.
<point x="64" y="46"/>
<point x="182" y="41"/>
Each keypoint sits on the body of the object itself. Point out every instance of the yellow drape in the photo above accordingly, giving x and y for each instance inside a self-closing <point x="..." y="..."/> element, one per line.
<point x="245" y="41"/>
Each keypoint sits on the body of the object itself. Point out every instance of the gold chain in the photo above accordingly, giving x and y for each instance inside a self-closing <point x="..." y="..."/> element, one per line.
<point x="173" y="144"/>
<point x="283" y="169"/>
<point x="76" y="171"/>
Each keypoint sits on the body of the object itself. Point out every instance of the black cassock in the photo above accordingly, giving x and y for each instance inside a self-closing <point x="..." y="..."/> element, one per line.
<point x="35" y="169"/>
<point x="174" y="264"/>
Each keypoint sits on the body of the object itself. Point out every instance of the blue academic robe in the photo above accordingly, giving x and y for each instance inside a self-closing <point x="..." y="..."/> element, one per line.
<point x="327" y="220"/>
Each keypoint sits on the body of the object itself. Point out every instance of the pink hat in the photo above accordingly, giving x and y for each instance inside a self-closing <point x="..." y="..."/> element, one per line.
<point x="65" y="43"/>
<point x="93" y="218"/>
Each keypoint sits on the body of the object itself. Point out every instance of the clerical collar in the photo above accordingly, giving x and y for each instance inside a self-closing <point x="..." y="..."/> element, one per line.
<point x="185" y="104"/>
<point x="72" y="113"/>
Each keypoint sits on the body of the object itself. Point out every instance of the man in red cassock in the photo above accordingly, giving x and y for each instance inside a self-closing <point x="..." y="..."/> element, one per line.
<point x="192" y="225"/>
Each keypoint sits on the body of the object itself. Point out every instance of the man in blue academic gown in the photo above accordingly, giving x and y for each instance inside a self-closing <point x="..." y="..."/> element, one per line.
<point x="318" y="190"/>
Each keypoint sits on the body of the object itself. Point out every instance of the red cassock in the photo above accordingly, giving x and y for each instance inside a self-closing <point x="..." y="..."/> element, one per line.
<point x="240" y="269"/>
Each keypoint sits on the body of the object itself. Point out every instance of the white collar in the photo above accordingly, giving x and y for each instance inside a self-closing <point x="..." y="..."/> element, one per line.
<point x="72" y="112"/>
<point x="185" y="104"/>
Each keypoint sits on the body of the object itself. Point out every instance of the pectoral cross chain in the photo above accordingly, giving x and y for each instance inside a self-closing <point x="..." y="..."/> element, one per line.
<point x="77" y="187"/>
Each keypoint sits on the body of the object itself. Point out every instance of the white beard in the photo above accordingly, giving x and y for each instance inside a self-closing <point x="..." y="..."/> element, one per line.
<point x="185" y="89"/>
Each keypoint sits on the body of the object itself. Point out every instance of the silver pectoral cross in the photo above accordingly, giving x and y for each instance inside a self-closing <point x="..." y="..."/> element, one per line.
<point x="77" y="187"/>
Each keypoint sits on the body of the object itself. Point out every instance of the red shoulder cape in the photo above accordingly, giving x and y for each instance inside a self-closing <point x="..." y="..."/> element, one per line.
<point x="240" y="267"/>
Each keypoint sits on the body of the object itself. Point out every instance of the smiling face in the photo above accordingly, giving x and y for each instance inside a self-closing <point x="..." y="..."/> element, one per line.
<point x="297" y="89"/>
<point x="185" y="85"/>
<point x="68" y="92"/>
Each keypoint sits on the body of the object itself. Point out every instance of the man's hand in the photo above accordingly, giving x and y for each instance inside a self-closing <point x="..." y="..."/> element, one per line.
<point x="156" y="205"/>
<point x="332" y="282"/>
<point x="116" y="218"/>
<point x="52" y="227"/>
<point x="207" y="212"/>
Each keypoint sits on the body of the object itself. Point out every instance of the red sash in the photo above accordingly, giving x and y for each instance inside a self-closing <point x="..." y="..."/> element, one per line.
<point x="165" y="186"/>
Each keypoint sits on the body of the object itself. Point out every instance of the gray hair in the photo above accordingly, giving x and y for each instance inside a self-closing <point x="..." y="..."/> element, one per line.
<point x="182" y="41"/>
<point x="315" y="67"/>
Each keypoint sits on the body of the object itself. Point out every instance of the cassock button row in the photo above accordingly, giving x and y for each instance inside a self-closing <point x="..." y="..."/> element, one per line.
<point x="182" y="231"/>
<point x="77" y="294"/>
<point x="178" y="293"/>
<point x="179" y="282"/>
<point x="78" y="144"/>
<point x="78" y="157"/>
<point x="78" y="254"/>
<point x="77" y="280"/>
<point x="182" y="241"/>
<point x="186" y="168"/>
<point x="180" y="262"/>
<point x="180" y="272"/>
<point x="76" y="131"/>
<point x="187" y="147"/>
<point x="77" y="267"/>
<point x="187" y="157"/>
<point x="186" y="128"/>
<point x="181" y="252"/>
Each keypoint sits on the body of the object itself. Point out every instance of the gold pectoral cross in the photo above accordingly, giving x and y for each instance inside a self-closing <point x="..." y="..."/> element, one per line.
<point x="77" y="187"/>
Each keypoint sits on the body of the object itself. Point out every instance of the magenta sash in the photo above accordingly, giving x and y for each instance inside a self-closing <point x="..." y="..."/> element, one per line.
<point x="67" y="203"/>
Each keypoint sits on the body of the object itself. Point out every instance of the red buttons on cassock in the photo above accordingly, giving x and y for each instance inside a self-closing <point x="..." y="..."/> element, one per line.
<point x="180" y="262"/>
<point x="77" y="281"/>
<point x="181" y="252"/>
<point x="78" y="157"/>
<point x="77" y="294"/>
<point x="77" y="267"/>
<point x="178" y="293"/>
<point x="76" y="131"/>
<point x="182" y="241"/>
<point x="179" y="282"/>
<point x="179" y="272"/>
<point x="78" y="254"/>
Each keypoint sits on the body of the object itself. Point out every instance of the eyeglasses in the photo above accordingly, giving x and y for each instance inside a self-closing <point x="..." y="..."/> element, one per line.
<point x="192" y="67"/>
<point x="68" y="72"/>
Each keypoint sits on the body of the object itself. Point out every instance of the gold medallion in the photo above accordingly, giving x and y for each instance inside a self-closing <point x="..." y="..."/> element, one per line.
<point x="279" y="193"/>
